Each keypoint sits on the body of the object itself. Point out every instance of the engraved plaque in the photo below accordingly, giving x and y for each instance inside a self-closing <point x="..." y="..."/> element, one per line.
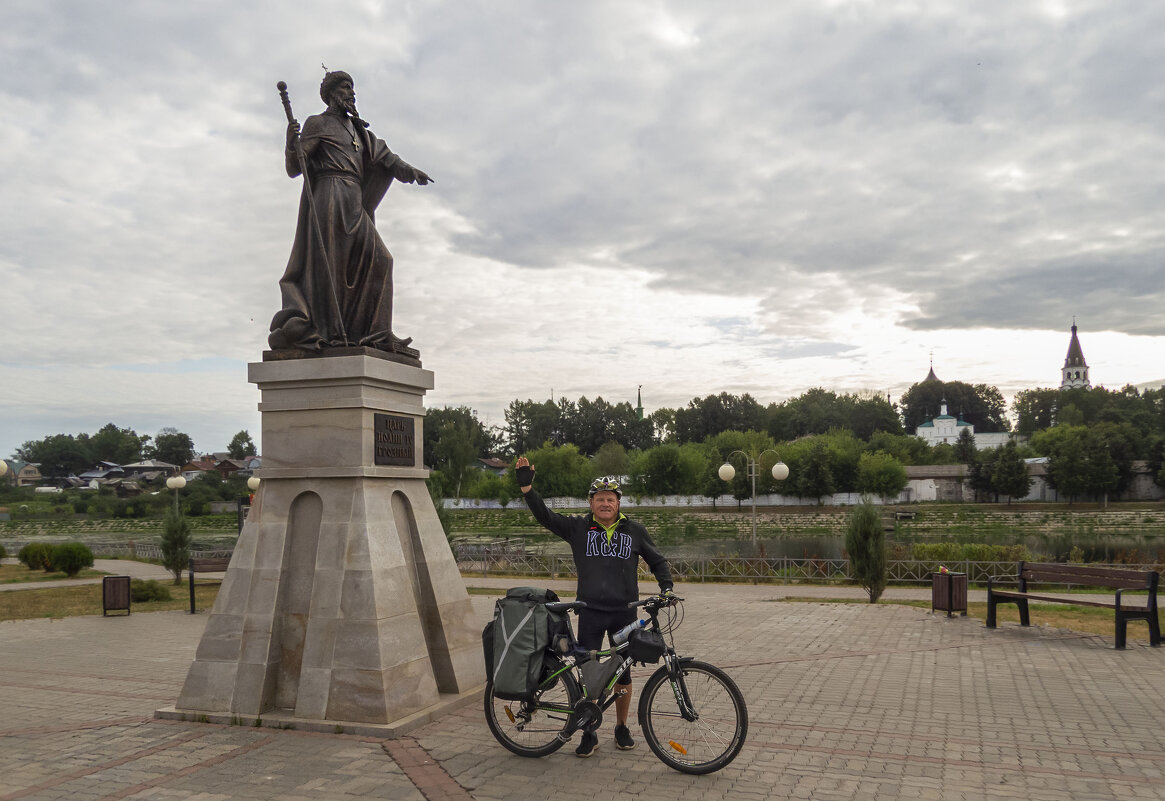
<point x="395" y="440"/>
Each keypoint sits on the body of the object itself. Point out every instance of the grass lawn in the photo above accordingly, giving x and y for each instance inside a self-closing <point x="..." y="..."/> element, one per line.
<point x="18" y="574"/>
<point x="55" y="602"/>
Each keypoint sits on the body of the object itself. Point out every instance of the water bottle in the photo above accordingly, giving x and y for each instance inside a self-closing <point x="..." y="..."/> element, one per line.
<point x="620" y="636"/>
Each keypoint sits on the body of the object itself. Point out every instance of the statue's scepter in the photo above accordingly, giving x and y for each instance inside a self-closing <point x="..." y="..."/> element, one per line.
<point x="311" y="203"/>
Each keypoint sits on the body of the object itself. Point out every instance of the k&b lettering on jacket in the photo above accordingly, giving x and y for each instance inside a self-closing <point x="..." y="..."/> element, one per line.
<point x="619" y="547"/>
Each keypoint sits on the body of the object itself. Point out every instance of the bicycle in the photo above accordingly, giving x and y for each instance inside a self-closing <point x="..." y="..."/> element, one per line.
<point x="692" y="714"/>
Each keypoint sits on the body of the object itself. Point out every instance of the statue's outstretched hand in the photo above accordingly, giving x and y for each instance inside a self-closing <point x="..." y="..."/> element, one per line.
<point x="421" y="177"/>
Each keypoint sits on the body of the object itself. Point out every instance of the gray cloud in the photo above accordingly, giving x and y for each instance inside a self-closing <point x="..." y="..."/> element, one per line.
<point x="807" y="167"/>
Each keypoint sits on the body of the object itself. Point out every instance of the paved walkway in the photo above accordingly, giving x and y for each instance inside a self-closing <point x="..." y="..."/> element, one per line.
<point x="846" y="702"/>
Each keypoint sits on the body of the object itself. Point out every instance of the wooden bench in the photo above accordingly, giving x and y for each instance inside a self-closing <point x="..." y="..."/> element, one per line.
<point x="1117" y="578"/>
<point x="212" y="564"/>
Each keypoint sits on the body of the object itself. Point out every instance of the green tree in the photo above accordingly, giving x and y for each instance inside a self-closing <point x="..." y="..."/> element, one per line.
<point x="965" y="447"/>
<point x="706" y="417"/>
<point x="117" y="445"/>
<point x="906" y="448"/>
<point x="173" y="447"/>
<point x="1123" y="444"/>
<point x="980" y="471"/>
<point x="462" y="419"/>
<point x="980" y="405"/>
<point x="1011" y="476"/>
<point x="865" y="542"/>
<point x="610" y="460"/>
<point x="529" y="424"/>
<point x="241" y="446"/>
<point x="455" y="453"/>
<point x="1035" y="409"/>
<point x="1079" y="462"/>
<point x="811" y="471"/>
<point x="663" y="425"/>
<point x="881" y="474"/>
<point x="669" y="469"/>
<point x="819" y="410"/>
<point x="175" y="543"/>
<point x="560" y="471"/>
<point x="844" y="451"/>
<point x="58" y="455"/>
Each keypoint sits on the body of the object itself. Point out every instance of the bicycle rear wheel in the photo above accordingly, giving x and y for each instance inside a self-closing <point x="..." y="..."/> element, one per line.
<point x="531" y="728"/>
<point x="712" y="740"/>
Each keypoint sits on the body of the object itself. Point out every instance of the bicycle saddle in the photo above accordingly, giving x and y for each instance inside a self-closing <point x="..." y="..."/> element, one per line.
<point x="566" y="606"/>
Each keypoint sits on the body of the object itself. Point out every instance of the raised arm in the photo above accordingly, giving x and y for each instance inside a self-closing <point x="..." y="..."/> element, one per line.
<point x="552" y="521"/>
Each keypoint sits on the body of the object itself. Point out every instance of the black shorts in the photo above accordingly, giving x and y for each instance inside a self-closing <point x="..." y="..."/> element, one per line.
<point x="594" y="623"/>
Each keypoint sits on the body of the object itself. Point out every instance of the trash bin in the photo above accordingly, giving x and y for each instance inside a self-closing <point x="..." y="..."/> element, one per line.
<point x="114" y="594"/>
<point x="948" y="593"/>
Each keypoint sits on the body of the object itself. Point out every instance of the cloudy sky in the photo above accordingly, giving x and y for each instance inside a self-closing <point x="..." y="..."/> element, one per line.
<point x="693" y="197"/>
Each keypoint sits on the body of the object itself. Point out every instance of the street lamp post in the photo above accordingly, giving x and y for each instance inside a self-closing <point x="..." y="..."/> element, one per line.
<point x="727" y="472"/>
<point x="176" y="483"/>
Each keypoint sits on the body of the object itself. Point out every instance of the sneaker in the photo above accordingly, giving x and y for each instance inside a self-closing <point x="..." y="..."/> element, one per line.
<point x="590" y="741"/>
<point x="623" y="738"/>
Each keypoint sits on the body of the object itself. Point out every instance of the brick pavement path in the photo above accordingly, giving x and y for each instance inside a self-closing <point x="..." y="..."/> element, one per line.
<point x="846" y="702"/>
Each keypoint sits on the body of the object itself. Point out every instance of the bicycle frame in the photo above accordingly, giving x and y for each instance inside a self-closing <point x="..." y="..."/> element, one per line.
<point x="574" y="662"/>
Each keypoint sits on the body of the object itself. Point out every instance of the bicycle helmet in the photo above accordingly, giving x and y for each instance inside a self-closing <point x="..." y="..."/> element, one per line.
<point x="605" y="484"/>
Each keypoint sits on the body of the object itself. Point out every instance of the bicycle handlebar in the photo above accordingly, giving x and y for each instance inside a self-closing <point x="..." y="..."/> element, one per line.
<point x="657" y="602"/>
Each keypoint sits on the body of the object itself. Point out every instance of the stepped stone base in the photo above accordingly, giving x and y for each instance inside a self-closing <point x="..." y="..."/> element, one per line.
<point x="342" y="602"/>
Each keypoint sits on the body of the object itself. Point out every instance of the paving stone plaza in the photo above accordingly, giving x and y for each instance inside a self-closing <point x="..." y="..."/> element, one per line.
<point x="846" y="701"/>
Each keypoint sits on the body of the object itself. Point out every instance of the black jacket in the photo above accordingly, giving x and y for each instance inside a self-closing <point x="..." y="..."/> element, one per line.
<point x="608" y="572"/>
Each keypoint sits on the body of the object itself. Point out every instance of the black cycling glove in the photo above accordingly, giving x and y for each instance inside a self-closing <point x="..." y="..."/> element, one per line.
<point x="525" y="476"/>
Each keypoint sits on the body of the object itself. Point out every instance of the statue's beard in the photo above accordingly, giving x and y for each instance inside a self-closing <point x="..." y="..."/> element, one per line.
<point x="350" y="107"/>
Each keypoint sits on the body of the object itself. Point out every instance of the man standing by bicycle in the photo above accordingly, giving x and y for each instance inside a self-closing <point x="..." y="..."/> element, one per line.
<point x="606" y="546"/>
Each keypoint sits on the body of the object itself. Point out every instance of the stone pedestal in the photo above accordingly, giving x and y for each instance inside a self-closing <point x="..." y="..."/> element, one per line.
<point x="342" y="601"/>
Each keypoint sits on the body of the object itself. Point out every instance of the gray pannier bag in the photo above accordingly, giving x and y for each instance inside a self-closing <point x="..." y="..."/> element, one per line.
<point x="515" y="648"/>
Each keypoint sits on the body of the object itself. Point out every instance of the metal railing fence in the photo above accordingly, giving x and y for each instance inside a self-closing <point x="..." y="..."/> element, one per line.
<point x="485" y="561"/>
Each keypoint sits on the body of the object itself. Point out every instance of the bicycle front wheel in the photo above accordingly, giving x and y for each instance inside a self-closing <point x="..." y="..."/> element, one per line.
<point x="703" y="745"/>
<point x="532" y="728"/>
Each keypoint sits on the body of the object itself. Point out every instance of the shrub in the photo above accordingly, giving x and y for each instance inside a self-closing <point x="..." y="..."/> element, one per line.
<point x="865" y="541"/>
<point x="71" y="558"/>
<point x="175" y="543"/>
<point x="80" y="506"/>
<point x="36" y="556"/>
<point x="141" y="591"/>
<point x="968" y="552"/>
<point x="3" y="552"/>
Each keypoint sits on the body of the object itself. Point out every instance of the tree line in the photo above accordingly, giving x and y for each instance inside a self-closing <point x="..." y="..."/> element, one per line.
<point x="61" y="455"/>
<point x="832" y="442"/>
<point x="1091" y="438"/>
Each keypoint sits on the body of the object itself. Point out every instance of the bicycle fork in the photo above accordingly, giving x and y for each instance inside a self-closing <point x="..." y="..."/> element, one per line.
<point x="675" y="677"/>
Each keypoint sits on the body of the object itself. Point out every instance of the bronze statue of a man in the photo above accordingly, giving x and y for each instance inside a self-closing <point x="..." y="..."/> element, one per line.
<point x="337" y="289"/>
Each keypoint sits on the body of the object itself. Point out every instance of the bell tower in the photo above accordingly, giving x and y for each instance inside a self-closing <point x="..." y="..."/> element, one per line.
<point x="1074" y="373"/>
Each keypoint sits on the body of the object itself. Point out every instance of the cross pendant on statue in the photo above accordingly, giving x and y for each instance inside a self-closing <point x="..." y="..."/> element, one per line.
<point x="355" y="139"/>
